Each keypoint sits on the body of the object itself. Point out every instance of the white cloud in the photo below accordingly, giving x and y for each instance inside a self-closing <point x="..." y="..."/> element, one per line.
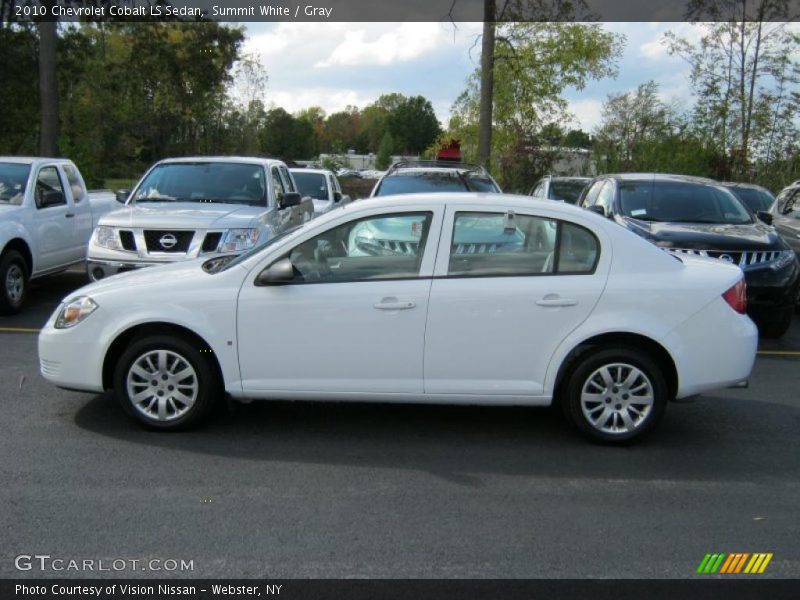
<point x="587" y="113"/>
<point x="330" y="99"/>
<point x="367" y="47"/>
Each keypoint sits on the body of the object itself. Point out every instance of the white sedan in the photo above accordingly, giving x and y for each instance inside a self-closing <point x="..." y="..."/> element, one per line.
<point x="447" y="298"/>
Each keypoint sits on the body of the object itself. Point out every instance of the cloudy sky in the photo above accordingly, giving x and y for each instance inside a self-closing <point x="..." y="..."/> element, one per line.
<point x="336" y="64"/>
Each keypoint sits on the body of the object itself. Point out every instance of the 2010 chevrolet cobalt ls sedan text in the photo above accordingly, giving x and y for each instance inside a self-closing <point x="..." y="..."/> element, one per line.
<point x="445" y="298"/>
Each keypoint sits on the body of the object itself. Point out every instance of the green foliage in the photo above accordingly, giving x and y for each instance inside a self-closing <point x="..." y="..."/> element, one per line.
<point x="383" y="160"/>
<point x="19" y="117"/>
<point x="535" y="62"/>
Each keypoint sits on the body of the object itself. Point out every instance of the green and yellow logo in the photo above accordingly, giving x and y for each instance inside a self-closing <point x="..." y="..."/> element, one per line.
<point x="738" y="562"/>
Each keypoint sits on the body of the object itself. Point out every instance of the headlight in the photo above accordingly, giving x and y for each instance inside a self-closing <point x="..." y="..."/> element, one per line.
<point x="74" y="312"/>
<point x="239" y="240"/>
<point x="107" y="237"/>
<point x="784" y="258"/>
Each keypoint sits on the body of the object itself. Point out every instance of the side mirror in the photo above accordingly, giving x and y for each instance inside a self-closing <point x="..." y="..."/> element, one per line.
<point x="765" y="216"/>
<point x="596" y="208"/>
<point x="277" y="273"/>
<point x="337" y="197"/>
<point x="122" y="196"/>
<point x="290" y="199"/>
<point x="51" y="198"/>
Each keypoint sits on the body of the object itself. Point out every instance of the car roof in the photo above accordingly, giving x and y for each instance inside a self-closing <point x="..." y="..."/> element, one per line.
<point x="30" y="160"/>
<point x="658" y="177"/>
<point x="229" y="159"/>
<point x="737" y="184"/>
<point x="306" y="170"/>
<point x="567" y="178"/>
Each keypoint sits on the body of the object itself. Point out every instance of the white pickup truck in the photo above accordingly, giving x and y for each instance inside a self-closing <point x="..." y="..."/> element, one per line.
<point x="185" y="208"/>
<point x="46" y="220"/>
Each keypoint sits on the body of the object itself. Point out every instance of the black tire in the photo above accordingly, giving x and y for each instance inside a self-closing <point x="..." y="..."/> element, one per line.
<point x="621" y="402"/>
<point x="779" y="327"/>
<point x="177" y="414"/>
<point x="13" y="265"/>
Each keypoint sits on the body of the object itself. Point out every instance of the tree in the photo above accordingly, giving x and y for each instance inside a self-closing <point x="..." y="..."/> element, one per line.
<point x="413" y="125"/>
<point x="534" y="63"/>
<point x="48" y="87"/>
<point x="743" y="75"/>
<point x="384" y="158"/>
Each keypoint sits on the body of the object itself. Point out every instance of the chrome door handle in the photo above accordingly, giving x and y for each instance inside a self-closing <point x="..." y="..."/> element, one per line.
<point x="555" y="301"/>
<point x="393" y="304"/>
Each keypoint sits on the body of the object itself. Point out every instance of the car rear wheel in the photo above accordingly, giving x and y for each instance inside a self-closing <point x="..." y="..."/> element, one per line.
<point x="14" y="280"/>
<point x="616" y="395"/>
<point x="166" y="383"/>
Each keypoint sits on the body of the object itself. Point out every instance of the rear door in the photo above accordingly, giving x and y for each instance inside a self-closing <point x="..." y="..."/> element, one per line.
<point x="82" y="210"/>
<point x="508" y="288"/>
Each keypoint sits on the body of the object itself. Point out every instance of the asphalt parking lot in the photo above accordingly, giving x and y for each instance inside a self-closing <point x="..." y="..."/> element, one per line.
<point x="354" y="490"/>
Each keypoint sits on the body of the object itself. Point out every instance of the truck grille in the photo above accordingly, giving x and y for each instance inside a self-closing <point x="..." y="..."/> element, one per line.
<point x="167" y="241"/>
<point x="743" y="258"/>
<point x="211" y="241"/>
<point x="398" y="247"/>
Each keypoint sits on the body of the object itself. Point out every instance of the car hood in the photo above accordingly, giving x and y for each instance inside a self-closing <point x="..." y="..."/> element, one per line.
<point x="708" y="236"/>
<point x="8" y="211"/>
<point x="184" y="215"/>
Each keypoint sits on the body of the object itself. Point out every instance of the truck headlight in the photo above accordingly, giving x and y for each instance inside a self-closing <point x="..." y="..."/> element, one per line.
<point x="239" y="240"/>
<point x="107" y="237"/>
<point x="784" y="258"/>
<point x="74" y="312"/>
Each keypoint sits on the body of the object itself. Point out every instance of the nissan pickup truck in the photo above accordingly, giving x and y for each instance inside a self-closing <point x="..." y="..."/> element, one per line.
<point x="46" y="219"/>
<point x="202" y="207"/>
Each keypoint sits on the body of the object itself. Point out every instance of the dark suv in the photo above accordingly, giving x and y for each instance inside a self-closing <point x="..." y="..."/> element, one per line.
<point x="754" y="197"/>
<point x="413" y="177"/>
<point x="688" y="215"/>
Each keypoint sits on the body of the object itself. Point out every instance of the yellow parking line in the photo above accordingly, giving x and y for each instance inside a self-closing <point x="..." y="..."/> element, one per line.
<point x="18" y="330"/>
<point x="779" y="353"/>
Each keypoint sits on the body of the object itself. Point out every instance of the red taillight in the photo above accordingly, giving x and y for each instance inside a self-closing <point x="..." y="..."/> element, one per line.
<point x="736" y="297"/>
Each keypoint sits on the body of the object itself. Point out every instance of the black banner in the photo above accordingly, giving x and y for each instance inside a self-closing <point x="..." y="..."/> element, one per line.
<point x="289" y="589"/>
<point x="398" y="10"/>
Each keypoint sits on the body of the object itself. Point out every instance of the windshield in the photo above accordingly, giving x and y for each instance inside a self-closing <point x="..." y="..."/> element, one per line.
<point x="228" y="183"/>
<point x="754" y="198"/>
<point x="223" y="263"/>
<point x="13" y="179"/>
<point x="435" y="181"/>
<point x="568" y="190"/>
<point x="311" y="184"/>
<point x="681" y="202"/>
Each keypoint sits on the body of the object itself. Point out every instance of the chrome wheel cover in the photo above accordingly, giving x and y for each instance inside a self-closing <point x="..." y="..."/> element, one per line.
<point x="15" y="284"/>
<point x="617" y="398"/>
<point x="162" y="385"/>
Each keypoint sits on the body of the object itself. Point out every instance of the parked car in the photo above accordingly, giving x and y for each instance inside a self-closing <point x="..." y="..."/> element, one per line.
<point x="693" y="216"/>
<point x="598" y="320"/>
<point x="786" y="219"/>
<point x="564" y="189"/>
<point x="754" y="197"/>
<point x="46" y="219"/>
<point x="413" y="177"/>
<point x="322" y="187"/>
<point x="188" y="207"/>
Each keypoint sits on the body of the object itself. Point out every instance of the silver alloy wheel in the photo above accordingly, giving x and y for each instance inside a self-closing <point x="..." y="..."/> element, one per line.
<point x="15" y="284"/>
<point x="162" y="385"/>
<point x="617" y="398"/>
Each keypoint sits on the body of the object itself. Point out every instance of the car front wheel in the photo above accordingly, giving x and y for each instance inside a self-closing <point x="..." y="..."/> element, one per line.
<point x="14" y="279"/>
<point x="616" y="395"/>
<point x="166" y="383"/>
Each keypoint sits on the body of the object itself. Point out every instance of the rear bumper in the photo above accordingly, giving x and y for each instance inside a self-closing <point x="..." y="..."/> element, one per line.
<point x="714" y="349"/>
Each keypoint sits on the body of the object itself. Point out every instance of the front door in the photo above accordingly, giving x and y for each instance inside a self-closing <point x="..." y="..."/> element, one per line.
<point x="353" y="319"/>
<point x="55" y="223"/>
<point x="509" y="287"/>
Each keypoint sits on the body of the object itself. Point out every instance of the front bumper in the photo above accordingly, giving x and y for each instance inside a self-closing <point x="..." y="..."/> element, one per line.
<point x="72" y="358"/>
<point x="771" y="292"/>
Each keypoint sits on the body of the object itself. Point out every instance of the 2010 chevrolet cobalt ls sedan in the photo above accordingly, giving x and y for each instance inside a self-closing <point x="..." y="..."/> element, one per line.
<point x="446" y="298"/>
